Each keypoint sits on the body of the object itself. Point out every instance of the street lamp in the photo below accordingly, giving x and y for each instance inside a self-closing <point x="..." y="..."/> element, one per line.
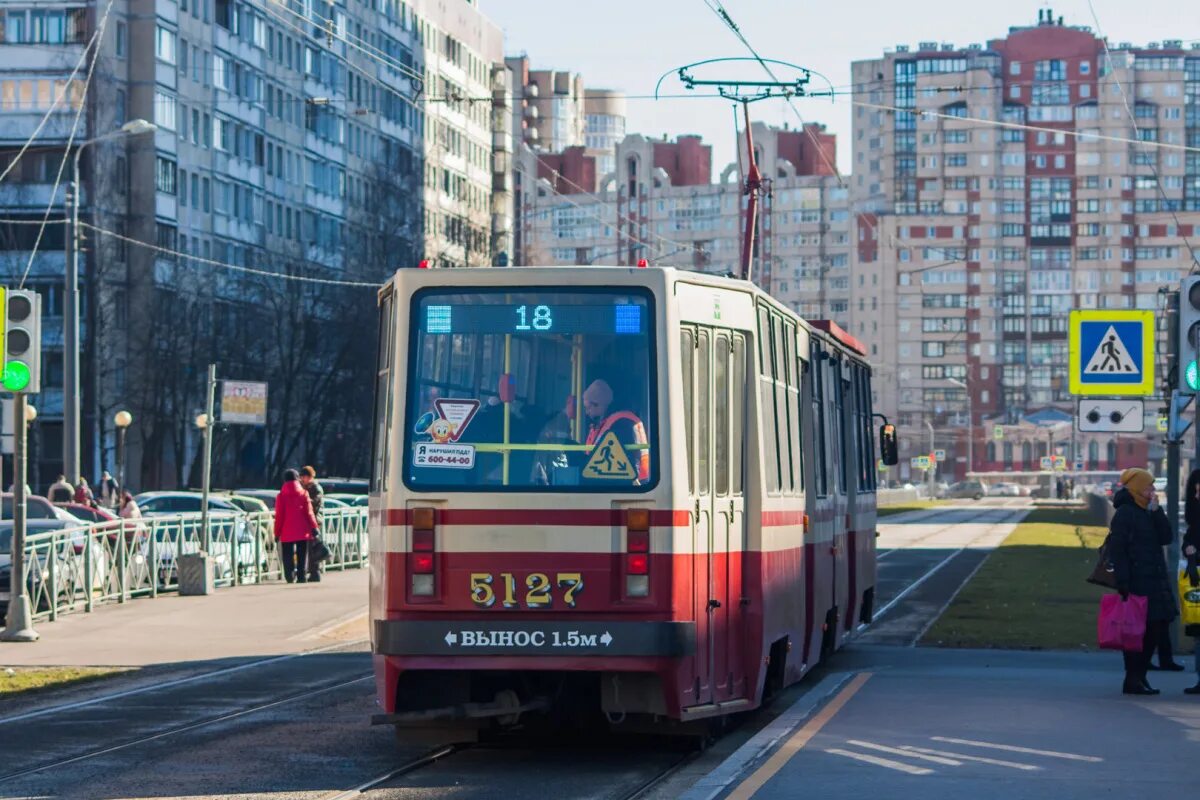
<point x="122" y="419"/>
<point x="71" y="424"/>
<point x="970" y="424"/>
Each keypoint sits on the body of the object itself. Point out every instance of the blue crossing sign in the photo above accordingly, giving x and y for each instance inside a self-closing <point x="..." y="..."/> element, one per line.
<point x="1112" y="353"/>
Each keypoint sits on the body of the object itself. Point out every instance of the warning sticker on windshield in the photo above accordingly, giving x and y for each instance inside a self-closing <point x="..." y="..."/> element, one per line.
<point x="452" y="456"/>
<point x="609" y="461"/>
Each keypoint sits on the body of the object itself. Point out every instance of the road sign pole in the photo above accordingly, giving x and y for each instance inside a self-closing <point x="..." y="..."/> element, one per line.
<point x="1172" y="442"/>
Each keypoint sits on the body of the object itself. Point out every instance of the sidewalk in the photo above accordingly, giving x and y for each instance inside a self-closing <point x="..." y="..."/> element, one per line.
<point x="268" y="619"/>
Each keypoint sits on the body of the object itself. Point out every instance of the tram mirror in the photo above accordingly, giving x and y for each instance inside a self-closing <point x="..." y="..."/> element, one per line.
<point x="888" y="450"/>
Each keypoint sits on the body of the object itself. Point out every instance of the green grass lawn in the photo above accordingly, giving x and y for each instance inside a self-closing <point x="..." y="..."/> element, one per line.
<point x="23" y="680"/>
<point x="915" y="505"/>
<point x="1031" y="592"/>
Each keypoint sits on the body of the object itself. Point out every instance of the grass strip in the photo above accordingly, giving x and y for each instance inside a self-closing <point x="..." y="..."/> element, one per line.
<point x="1031" y="592"/>
<point x="26" y="680"/>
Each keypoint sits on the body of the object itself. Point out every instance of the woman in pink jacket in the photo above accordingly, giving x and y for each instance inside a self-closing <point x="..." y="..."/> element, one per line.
<point x="295" y="524"/>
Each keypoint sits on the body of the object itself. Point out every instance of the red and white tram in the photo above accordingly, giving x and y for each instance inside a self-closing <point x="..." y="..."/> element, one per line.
<point x="646" y="492"/>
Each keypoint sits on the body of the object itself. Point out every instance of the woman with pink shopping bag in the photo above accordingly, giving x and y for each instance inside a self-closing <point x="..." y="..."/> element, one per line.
<point x="1137" y="535"/>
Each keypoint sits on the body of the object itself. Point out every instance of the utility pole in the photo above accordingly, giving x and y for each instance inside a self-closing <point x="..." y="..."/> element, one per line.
<point x="1172" y="380"/>
<point x="196" y="569"/>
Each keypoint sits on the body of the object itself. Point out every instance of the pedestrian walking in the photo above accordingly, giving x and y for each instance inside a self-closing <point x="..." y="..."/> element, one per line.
<point x="61" y="491"/>
<point x="308" y="479"/>
<point x="1191" y="551"/>
<point x="83" y="494"/>
<point x="110" y="492"/>
<point x="1137" y="535"/>
<point x="295" y="524"/>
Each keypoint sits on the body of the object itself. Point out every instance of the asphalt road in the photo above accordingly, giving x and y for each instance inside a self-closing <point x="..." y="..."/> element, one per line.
<point x="295" y="726"/>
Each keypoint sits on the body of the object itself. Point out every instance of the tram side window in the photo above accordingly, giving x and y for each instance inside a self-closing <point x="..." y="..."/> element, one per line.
<point x="383" y="394"/>
<point x="785" y="334"/>
<point x="866" y="440"/>
<point x="766" y="383"/>
<point x="738" y="380"/>
<point x="820" y="473"/>
<point x="837" y="437"/>
<point x="721" y="412"/>
<point x="703" y="411"/>
<point x="687" y="359"/>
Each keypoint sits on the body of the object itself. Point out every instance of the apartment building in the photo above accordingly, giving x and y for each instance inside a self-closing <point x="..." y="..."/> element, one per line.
<point x="287" y="143"/>
<point x="995" y="189"/>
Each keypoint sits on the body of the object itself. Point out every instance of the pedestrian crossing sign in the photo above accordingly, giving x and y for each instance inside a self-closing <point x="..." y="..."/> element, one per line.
<point x="609" y="461"/>
<point x="1112" y="353"/>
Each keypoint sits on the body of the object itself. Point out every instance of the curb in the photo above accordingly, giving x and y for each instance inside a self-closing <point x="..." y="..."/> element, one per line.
<point x="762" y="743"/>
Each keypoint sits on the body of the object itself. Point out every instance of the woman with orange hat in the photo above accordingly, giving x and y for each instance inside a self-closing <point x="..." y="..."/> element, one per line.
<point x="1139" y="531"/>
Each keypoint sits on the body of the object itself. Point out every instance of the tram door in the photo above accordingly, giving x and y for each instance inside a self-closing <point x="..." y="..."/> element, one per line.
<point x="717" y="485"/>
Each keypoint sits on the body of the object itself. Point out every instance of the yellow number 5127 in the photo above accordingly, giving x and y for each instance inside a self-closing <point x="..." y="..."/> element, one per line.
<point x="539" y="590"/>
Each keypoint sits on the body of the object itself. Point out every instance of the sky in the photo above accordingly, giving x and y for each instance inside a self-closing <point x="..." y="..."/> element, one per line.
<point x="630" y="44"/>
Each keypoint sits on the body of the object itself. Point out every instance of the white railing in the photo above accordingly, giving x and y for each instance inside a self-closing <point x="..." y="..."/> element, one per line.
<point x="76" y="568"/>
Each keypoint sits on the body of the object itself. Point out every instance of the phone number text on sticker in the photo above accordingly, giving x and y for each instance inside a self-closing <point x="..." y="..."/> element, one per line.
<point x="452" y="456"/>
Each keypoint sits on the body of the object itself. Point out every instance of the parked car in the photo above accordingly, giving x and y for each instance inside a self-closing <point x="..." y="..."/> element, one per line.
<point x="226" y="522"/>
<point x="36" y="507"/>
<point x="35" y="577"/>
<point x="343" y="485"/>
<point x="355" y="500"/>
<point x="248" y="503"/>
<point x="973" y="490"/>
<point x="87" y="513"/>
<point x="1004" y="490"/>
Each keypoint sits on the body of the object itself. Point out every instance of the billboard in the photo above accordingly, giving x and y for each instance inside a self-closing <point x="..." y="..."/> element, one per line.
<point x="243" y="403"/>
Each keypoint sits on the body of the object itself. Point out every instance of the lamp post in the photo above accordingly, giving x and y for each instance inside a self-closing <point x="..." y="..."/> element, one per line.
<point x="970" y="425"/>
<point x="122" y="419"/>
<point x="71" y="402"/>
<point x="931" y="473"/>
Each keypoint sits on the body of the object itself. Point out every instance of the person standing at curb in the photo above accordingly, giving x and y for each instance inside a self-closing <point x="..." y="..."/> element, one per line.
<point x="1139" y="531"/>
<point x="295" y="524"/>
<point x="1191" y="551"/>
<point x="308" y="479"/>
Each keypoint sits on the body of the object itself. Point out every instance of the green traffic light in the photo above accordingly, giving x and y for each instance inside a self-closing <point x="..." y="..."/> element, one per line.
<point x="16" y="376"/>
<point x="1192" y="376"/>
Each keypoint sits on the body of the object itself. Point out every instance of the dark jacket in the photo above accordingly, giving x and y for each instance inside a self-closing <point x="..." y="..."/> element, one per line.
<point x="294" y="519"/>
<point x="317" y="495"/>
<point x="1135" y="547"/>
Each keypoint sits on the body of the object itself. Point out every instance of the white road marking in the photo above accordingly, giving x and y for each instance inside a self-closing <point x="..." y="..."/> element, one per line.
<point x="887" y="763"/>
<point x="948" y="762"/>
<point x="993" y="761"/>
<point x="1015" y="749"/>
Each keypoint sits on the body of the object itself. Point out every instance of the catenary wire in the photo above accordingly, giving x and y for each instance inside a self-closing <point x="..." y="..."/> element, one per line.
<point x="67" y="154"/>
<point x="224" y="265"/>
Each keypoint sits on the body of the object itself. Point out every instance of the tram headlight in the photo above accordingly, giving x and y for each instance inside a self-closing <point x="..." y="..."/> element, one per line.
<point x="637" y="585"/>
<point x="422" y="585"/>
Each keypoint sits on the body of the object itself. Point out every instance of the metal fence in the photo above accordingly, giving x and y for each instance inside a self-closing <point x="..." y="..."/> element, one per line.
<point x="76" y="568"/>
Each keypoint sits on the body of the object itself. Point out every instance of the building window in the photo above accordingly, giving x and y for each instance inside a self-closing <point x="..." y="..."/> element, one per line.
<point x="164" y="110"/>
<point x="164" y="45"/>
<point x="122" y="36"/>
<point x="165" y="175"/>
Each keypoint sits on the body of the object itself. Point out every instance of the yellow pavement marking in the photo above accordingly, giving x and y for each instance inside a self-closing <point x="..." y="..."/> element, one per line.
<point x="798" y="740"/>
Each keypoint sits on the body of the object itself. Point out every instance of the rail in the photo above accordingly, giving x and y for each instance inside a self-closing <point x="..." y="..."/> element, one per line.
<point x="77" y="568"/>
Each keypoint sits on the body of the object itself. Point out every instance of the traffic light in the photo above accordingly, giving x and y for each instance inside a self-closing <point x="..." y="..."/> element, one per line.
<point x="1188" y="345"/>
<point x="22" y="342"/>
<point x="1177" y="426"/>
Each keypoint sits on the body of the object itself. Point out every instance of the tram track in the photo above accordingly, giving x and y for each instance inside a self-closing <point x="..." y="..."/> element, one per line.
<point x="304" y="693"/>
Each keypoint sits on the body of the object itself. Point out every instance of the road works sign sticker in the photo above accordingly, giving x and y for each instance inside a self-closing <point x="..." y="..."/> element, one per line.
<point x="609" y="461"/>
<point x="458" y="413"/>
<point x="452" y="456"/>
<point x="1112" y="353"/>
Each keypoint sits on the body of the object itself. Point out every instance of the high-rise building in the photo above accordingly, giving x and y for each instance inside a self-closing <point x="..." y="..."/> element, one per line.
<point x="288" y="145"/>
<point x="604" y="125"/>
<point x="997" y="188"/>
<point x="552" y="108"/>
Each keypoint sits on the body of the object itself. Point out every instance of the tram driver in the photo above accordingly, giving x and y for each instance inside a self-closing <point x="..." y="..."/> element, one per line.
<point x="626" y="425"/>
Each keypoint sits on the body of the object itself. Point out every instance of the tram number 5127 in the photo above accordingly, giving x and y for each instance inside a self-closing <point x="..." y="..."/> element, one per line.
<point x="539" y="591"/>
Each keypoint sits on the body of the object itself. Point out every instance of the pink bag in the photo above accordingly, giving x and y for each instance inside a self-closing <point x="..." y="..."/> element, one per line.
<point x="1122" y="624"/>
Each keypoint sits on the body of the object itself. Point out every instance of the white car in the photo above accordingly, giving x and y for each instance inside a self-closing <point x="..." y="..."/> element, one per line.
<point x="222" y="516"/>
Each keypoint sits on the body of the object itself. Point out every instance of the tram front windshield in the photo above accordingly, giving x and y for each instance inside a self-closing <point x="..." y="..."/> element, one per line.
<point x="533" y="390"/>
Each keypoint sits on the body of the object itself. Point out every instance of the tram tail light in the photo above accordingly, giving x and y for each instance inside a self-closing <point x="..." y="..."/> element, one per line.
<point x="637" y="552"/>
<point x="421" y="559"/>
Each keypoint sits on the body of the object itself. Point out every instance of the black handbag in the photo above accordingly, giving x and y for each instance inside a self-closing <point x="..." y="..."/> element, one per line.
<point x="317" y="550"/>
<point x="1103" y="573"/>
